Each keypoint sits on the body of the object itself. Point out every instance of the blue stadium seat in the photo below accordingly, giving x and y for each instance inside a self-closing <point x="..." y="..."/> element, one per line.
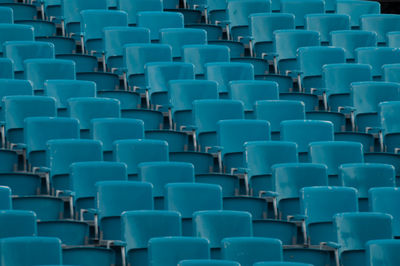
<point x="283" y="230"/>
<point x="355" y="9"/>
<point x="87" y="108"/>
<point x="136" y="6"/>
<point x="393" y="39"/>
<point x="388" y="122"/>
<point x="138" y="227"/>
<point x="16" y="223"/>
<point x="377" y="57"/>
<point x="41" y="28"/>
<point x="89" y="256"/>
<point x="390" y="72"/>
<point x="178" y="37"/>
<point x="10" y="87"/>
<point x="318" y="205"/>
<point x="155" y="21"/>
<point x="208" y="263"/>
<point x="281" y="263"/>
<point x="326" y="23"/>
<point x="21" y="11"/>
<point x="249" y="250"/>
<point x="132" y="152"/>
<point x="7" y="15"/>
<point x="381" y="24"/>
<point x="6" y="68"/>
<point x="15" y="32"/>
<point x="300" y="9"/>
<point x="5" y="198"/>
<point x="187" y="198"/>
<point x="70" y="232"/>
<point x="363" y="176"/>
<point x="379" y="252"/>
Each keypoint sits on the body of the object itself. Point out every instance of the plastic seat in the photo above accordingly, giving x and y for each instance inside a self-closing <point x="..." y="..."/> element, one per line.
<point x="133" y="152"/>
<point x="312" y="59"/>
<point x="355" y="9"/>
<point x="216" y="10"/>
<point x="61" y="153"/>
<point x="260" y="156"/>
<point x="15" y="32"/>
<point x="5" y="197"/>
<point x="24" y="251"/>
<point x="182" y="93"/>
<point x="206" y="114"/>
<point x="168" y="251"/>
<point x="286" y="43"/>
<point x="300" y="9"/>
<point x="6" y="15"/>
<point x="249" y="250"/>
<point x="379" y="252"/>
<point x="199" y="55"/>
<point x="388" y="121"/>
<point x="208" y="263"/>
<point x="304" y="132"/>
<point x="377" y="57"/>
<point x="366" y="98"/>
<point x="87" y="108"/>
<point x="187" y="198"/>
<point x="262" y="27"/>
<point x="381" y="24"/>
<point x="19" y="51"/>
<point x="335" y="153"/>
<point x="155" y="21"/>
<point x="41" y="28"/>
<point x="160" y="174"/>
<point x="138" y="227"/>
<point x="354" y="231"/>
<point x="17" y="108"/>
<point x="326" y="23"/>
<point x="251" y="91"/>
<point x="364" y="176"/>
<point x="22" y="11"/>
<point x="136" y="6"/>
<point x="84" y="175"/>
<point x="178" y="37"/>
<point x="231" y="136"/>
<point x="62" y="90"/>
<point x="38" y="130"/>
<point x="70" y="232"/>
<point x="217" y="225"/>
<point x="390" y="72"/>
<point x="114" y="40"/>
<point x="223" y="73"/>
<point x="92" y="24"/>
<point x="350" y="40"/>
<point x="136" y="56"/>
<point x="115" y="197"/>
<point x="157" y="76"/>
<point x="319" y="204"/>
<point x="17" y="223"/>
<point x="88" y="256"/>
<point x="6" y="68"/>
<point x="10" y="87"/>
<point x="281" y="263"/>
<point x="393" y="39"/>
<point x="38" y="71"/>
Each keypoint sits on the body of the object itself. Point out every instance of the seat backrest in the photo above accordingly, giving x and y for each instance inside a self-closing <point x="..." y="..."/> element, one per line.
<point x="384" y="251"/>
<point x="355" y="9"/>
<point x="84" y="175"/>
<point x="233" y="133"/>
<point x="17" y="223"/>
<point x="381" y="24"/>
<point x="251" y="91"/>
<point x="206" y="113"/>
<point x="276" y="111"/>
<point x="87" y="108"/>
<point x="263" y="25"/>
<point x="223" y="73"/>
<point x="159" y="73"/>
<point x="325" y="23"/>
<point x="138" y="227"/>
<point x="281" y="263"/>
<point x="9" y="87"/>
<point x="261" y="155"/>
<point x="6" y="68"/>
<point x="367" y="95"/>
<point x="116" y="37"/>
<point x="335" y="153"/>
<point x="286" y="42"/>
<point x="187" y="198"/>
<point x="135" y="6"/>
<point x="217" y="225"/>
<point x="388" y="112"/>
<point x="199" y="55"/>
<point x="311" y="59"/>
<point x="249" y="250"/>
<point x="6" y="15"/>
<point x="238" y="11"/>
<point x="169" y="251"/>
<point x="354" y="229"/>
<point x="136" y="56"/>
<point x="62" y="90"/>
<point x="25" y="251"/>
<point x="61" y="153"/>
<point x="108" y="130"/>
<point x="178" y="37"/>
<point x="156" y="20"/>
<point x="350" y="40"/>
<point x="115" y="197"/>
<point x="208" y="263"/>
<point x="15" y="32"/>
<point x="377" y="57"/>
<point x="302" y="8"/>
<point x="305" y="131"/>
<point x="38" y="71"/>
<point x="5" y="198"/>
<point x="393" y="39"/>
<point x="133" y="152"/>
<point x="162" y="173"/>
<point x="391" y="72"/>
<point x="71" y="9"/>
<point x="19" y="51"/>
<point x="338" y="77"/>
<point x="320" y="203"/>
<point x="364" y="176"/>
